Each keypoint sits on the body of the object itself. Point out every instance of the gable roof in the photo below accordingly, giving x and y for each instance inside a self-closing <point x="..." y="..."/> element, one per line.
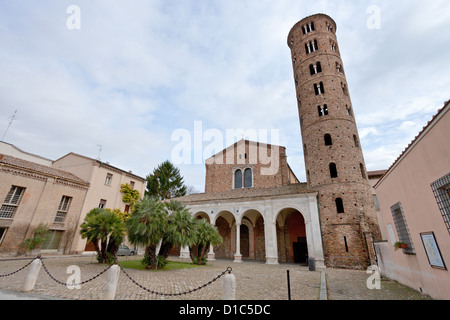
<point x="102" y="164"/>
<point x="250" y="142"/>
<point x="6" y="160"/>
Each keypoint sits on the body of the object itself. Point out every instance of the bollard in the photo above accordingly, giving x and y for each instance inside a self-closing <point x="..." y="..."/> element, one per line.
<point x="111" y="284"/>
<point x="32" y="275"/>
<point x="229" y="287"/>
<point x="311" y="264"/>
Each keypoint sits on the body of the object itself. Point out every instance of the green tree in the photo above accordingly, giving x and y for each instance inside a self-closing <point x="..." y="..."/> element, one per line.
<point x="205" y="235"/>
<point x="129" y="195"/>
<point x="40" y="234"/>
<point x="106" y="230"/>
<point x="165" y="182"/>
<point x="147" y="226"/>
<point x="181" y="227"/>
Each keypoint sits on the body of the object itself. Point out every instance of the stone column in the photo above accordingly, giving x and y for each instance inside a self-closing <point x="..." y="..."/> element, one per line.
<point x="211" y="254"/>
<point x="238" y="255"/>
<point x="271" y="242"/>
<point x="184" y="253"/>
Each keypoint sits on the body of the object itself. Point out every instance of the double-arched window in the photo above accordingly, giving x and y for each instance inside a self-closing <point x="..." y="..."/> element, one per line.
<point x="243" y="178"/>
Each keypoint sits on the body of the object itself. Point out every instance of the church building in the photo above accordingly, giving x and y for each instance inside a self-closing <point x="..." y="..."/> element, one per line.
<point x="260" y="208"/>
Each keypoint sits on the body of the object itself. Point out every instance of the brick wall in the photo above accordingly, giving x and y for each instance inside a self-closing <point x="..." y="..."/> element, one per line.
<point x="272" y="171"/>
<point x="344" y="231"/>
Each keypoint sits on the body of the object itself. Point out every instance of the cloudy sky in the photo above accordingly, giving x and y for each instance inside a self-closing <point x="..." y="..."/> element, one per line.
<point x="128" y="75"/>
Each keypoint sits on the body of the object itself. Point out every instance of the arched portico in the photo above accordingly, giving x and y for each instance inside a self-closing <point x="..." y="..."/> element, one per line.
<point x="265" y="229"/>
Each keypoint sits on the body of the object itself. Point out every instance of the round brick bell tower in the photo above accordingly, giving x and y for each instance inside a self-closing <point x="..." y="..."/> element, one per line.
<point x="334" y="160"/>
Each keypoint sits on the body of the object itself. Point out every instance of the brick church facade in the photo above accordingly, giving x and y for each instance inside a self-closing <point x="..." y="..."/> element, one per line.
<point x="267" y="214"/>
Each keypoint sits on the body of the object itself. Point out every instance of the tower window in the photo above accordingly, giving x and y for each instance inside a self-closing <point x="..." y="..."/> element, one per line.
<point x="329" y="27"/>
<point x="339" y="68"/>
<point x="339" y="205"/>
<point x="355" y="139"/>
<point x="238" y="179"/>
<point x="346" y="245"/>
<point x="344" y="88"/>
<point x="315" y="68"/>
<point x="363" y="171"/>
<point x="307" y="28"/>
<point x="328" y="140"/>
<point x="311" y="46"/>
<point x="349" y="111"/>
<point x="333" y="46"/>
<point x="333" y="170"/>
<point x="319" y="89"/>
<point x="323" y="111"/>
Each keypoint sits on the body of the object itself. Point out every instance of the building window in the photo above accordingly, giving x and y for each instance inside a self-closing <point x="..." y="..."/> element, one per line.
<point x="441" y="190"/>
<point x="402" y="227"/>
<point x="333" y="170"/>
<point x="248" y="178"/>
<point x="2" y="234"/>
<point x="63" y="209"/>
<point x="328" y="140"/>
<point x="311" y="46"/>
<point x="315" y="68"/>
<point x="319" y="89"/>
<point x="132" y="184"/>
<point x="127" y="208"/>
<point x="108" y="179"/>
<point x="307" y="28"/>
<point x="339" y="205"/>
<point x="238" y="179"/>
<point x="11" y="202"/>
<point x="323" y="111"/>
<point x="102" y="204"/>
<point x="52" y="240"/>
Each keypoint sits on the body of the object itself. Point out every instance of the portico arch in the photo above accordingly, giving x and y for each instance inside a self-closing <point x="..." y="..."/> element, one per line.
<point x="202" y="215"/>
<point x="252" y="237"/>
<point x="224" y="221"/>
<point x="291" y="236"/>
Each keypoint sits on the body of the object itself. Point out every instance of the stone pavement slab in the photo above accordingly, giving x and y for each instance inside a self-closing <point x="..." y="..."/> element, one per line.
<point x="254" y="281"/>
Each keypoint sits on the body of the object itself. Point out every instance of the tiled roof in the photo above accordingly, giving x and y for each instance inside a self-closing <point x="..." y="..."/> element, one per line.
<point x="39" y="169"/>
<point x="246" y="194"/>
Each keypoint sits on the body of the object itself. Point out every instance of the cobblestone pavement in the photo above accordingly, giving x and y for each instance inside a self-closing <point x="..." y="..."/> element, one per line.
<point x="254" y="280"/>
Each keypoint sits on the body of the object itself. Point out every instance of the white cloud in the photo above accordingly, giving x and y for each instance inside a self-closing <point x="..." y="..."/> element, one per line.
<point x="136" y="71"/>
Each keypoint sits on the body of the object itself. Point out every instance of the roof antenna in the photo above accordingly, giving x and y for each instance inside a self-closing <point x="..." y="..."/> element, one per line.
<point x="13" y="117"/>
<point x="99" y="151"/>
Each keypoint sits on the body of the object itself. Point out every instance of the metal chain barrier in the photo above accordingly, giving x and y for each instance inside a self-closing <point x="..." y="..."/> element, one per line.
<point x="229" y="269"/>
<point x="14" y="272"/>
<point x="64" y="283"/>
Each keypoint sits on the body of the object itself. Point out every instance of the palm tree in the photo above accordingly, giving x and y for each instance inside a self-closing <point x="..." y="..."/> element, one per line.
<point x="106" y="230"/>
<point x="205" y="235"/>
<point x="146" y="226"/>
<point x="181" y="228"/>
